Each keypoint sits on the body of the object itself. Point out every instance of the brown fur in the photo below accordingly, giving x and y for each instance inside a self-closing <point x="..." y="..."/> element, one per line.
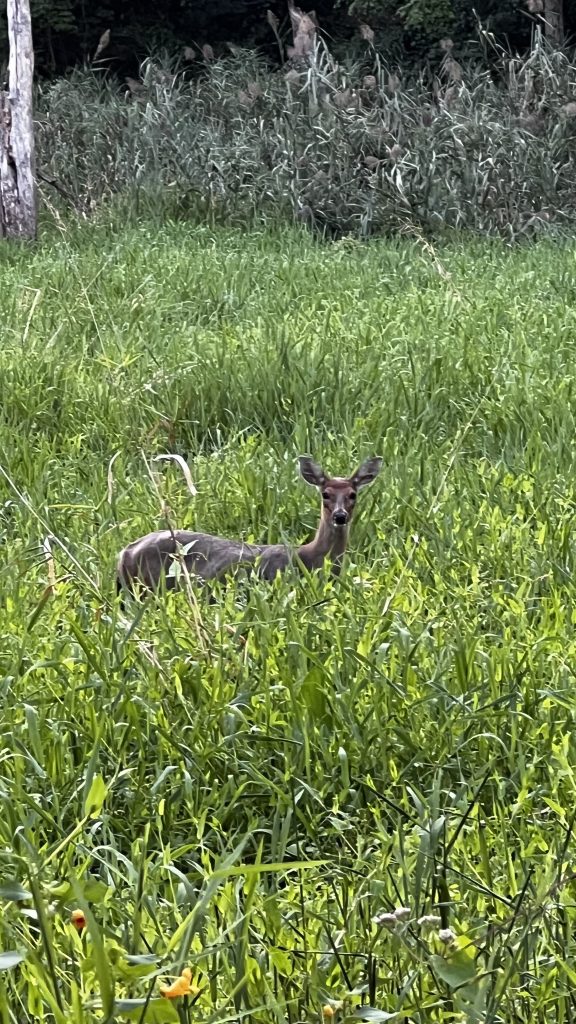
<point x="146" y="562"/>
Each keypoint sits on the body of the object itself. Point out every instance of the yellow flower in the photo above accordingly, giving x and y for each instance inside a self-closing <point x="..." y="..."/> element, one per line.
<point x="328" y="1012"/>
<point x="181" y="987"/>
<point x="78" y="919"/>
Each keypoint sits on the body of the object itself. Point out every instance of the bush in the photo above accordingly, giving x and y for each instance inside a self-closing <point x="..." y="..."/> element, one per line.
<point x="343" y="148"/>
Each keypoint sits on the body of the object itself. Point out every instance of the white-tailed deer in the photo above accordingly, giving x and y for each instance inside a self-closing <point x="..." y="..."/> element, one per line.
<point x="147" y="561"/>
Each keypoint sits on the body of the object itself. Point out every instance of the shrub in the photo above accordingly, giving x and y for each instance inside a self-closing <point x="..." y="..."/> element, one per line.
<point x="343" y="148"/>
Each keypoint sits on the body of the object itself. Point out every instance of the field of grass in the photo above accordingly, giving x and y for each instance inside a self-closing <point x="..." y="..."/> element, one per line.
<point x="242" y="787"/>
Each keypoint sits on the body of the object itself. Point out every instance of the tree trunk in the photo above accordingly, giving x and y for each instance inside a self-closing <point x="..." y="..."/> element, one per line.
<point x="17" y="182"/>
<point x="554" y="22"/>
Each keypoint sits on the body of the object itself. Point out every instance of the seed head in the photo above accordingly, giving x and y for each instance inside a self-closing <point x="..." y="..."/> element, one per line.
<point x="392" y="84"/>
<point x="429" y="921"/>
<point x="367" y="33"/>
<point x="402" y="913"/>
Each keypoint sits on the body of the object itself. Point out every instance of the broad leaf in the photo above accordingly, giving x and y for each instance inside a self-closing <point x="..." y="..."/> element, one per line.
<point x="455" y="971"/>
<point x="95" y="797"/>
<point x="158" y="1011"/>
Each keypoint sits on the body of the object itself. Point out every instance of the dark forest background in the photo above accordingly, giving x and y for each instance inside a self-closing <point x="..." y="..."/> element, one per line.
<point x="66" y="32"/>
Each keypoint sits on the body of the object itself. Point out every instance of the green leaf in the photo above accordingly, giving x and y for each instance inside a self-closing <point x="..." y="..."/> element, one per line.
<point x="14" y="891"/>
<point x="95" y="890"/>
<point x="100" y="954"/>
<point x="140" y="966"/>
<point x="95" y="797"/>
<point x="158" y="1011"/>
<point x="276" y="867"/>
<point x="10" y="960"/>
<point x="313" y="692"/>
<point x="456" y="971"/>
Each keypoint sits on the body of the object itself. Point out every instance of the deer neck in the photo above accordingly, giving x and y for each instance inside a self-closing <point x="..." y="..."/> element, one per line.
<point x="330" y="542"/>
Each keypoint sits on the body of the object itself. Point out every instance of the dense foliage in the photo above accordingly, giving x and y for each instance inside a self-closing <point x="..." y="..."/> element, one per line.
<point x="407" y="733"/>
<point x="340" y="146"/>
<point x="67" y="31"/>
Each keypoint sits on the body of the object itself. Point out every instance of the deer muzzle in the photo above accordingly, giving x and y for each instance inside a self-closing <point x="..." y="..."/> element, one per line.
<point x="340" y="517"/>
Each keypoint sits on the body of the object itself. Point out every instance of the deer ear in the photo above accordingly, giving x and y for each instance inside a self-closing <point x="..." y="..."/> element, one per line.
<point x="311" y="472"/>
<point x="367" y="472"/>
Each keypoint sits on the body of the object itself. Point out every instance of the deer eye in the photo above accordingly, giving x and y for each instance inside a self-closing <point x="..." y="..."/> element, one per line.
<point x="352" y="496"/>
<point x="326" y="495"/>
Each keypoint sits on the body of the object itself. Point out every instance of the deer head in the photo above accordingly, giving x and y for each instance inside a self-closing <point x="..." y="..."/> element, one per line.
<point x="338" y="493"/>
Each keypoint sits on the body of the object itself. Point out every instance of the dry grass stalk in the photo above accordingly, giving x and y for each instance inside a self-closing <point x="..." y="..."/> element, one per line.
<point x="304" y="32"/>
<point x="367" y="33"/>
<point x="103" y="42"/>
<point x="50" y="564"/>
<point x="392" y="84"/>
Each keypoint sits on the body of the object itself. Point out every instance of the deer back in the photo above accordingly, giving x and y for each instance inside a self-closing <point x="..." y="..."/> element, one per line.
<point x="147" y="559"/>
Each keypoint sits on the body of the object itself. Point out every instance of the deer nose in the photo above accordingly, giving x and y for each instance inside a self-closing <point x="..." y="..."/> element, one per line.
<point x="340" y="517"/>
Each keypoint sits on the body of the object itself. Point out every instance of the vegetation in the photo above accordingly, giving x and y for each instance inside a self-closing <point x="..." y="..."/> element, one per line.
<point x="66" y="32"/>
<point x="342" y="148"/>
<point x="240" y="788"/>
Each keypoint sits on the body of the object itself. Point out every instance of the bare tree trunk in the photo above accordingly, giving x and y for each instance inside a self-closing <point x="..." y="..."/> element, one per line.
<point x="17" y="182"/>
<point x="554" y="22"/>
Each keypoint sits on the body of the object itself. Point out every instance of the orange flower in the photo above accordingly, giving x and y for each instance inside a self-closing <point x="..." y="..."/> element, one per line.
<point x="181" y="987"/>
<point x="78" y="919"/>
<point x="329" y="1011"/>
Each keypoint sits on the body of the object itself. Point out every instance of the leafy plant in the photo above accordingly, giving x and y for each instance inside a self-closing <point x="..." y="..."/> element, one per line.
<point x="342" y="149"/>
<point x="349" y="800"/>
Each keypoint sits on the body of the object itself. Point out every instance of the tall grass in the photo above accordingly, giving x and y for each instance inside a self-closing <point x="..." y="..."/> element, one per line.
<point x="352" y="148"/>
<point x="242" y="787"/>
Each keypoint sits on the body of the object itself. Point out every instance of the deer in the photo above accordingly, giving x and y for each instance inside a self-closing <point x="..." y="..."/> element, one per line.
<point x="146" y="564"/>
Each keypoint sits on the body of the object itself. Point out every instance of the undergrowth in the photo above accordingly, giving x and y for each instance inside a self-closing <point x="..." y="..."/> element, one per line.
<point x="253" y="788"/>
<point x="345" y="148"/>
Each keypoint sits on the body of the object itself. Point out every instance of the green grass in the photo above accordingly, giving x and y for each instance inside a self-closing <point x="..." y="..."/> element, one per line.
<point x="406" y="733"/>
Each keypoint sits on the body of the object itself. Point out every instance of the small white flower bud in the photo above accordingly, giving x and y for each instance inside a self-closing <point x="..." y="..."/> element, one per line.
<point x="402" y="913"/>
<point x="446" y="935"/>
<point x="387" y="920"/>
<point x="429" y="920"/>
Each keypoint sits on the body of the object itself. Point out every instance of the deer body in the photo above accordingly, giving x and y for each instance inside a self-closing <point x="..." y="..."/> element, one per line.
<point x="147" y="561"/>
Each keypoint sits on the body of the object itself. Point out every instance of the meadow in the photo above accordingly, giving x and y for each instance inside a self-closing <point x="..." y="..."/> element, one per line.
<point x="252" y="788"/>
